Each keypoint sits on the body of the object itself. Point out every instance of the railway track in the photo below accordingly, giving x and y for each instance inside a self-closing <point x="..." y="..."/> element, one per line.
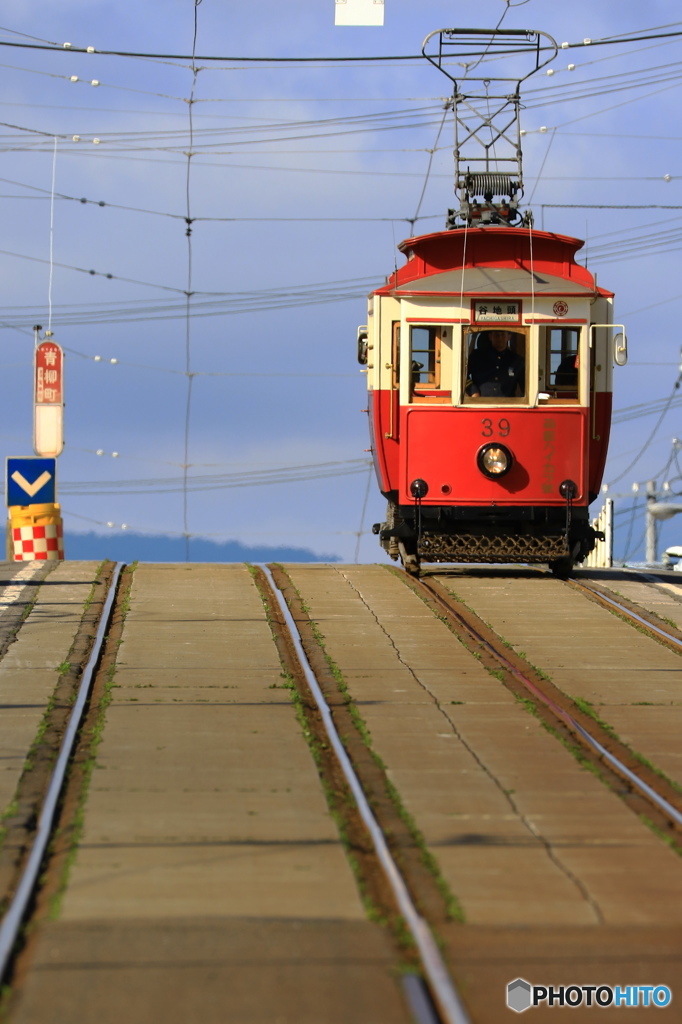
<point x="443" y="1003"/>
<point x="638" y="783"/>
<point x="26" y="884"/>
<point x="342" y="626"/>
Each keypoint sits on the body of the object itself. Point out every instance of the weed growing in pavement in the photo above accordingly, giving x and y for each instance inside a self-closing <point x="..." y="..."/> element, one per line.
<point x="540" y="672"/>
<point x="125" y="604"/>
<point x="657" y="771"/>
<point x="91" y="595"/>
<point x="588" y="709"/>
<point x="8" y="813"/>
<point x="10" y="810"/>
<point x="42" y="728"/>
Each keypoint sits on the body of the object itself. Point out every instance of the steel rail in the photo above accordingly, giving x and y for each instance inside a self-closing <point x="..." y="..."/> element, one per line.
<point x="622" y="769"/>
<point x="442" y="988"/>
<point x="11" y="923"/>
<point x="628" y="612"/>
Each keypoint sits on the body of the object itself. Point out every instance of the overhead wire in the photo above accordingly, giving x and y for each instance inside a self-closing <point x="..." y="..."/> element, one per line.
<point x="354" y="59"/>
<point x="635" y="412"/>
<point x="391" y="219"/>
<point x="211" y="305"/>
<point x="218" y="481"/>
<point x="91" y="273"/>
<point x="619" y="81"/>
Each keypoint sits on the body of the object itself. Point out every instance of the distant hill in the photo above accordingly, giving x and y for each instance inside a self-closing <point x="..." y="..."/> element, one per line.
<point x="131" y="547"/>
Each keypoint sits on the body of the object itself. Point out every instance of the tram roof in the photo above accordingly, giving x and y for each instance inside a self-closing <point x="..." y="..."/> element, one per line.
<point x="492" y="261"/>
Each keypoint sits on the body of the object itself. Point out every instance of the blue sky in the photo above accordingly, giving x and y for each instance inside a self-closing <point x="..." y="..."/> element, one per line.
<point x="292" y="201"/>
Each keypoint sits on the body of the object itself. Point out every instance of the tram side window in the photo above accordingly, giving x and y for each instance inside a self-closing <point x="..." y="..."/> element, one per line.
<point x="494" y="365"/>
<point x="562" y="361"/>
<point x="425" y="357"/>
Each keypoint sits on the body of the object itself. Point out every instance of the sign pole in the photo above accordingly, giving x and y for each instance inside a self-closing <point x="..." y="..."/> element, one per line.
<point x="34" y="529"/>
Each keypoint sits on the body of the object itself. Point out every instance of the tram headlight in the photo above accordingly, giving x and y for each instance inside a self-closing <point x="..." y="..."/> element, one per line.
<point x="494" y="460"/>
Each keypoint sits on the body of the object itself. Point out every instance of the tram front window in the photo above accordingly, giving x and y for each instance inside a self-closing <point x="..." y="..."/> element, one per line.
<point x="495" y="366"/>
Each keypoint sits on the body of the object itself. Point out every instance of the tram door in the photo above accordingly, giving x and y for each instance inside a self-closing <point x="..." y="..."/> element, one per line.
<point x="394" y="392"/>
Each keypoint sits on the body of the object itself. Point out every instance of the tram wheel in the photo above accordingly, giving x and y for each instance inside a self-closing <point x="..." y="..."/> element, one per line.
<point x="562" y="568"/>
<point x="410" y="561"/>
<point x="392" y="521"/>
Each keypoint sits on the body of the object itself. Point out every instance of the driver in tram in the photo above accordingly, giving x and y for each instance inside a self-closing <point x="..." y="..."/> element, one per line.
<point x="494" y="369"/>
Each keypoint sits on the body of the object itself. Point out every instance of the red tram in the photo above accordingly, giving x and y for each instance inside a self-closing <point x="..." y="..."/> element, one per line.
<point x="489" y="353"/>
<point x="502" y="470"/>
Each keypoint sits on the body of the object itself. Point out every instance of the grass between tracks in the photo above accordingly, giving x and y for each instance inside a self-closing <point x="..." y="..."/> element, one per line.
<point x="453" y="908"/>
<point x="89" y="763"/>
<point x="332" y="795"/>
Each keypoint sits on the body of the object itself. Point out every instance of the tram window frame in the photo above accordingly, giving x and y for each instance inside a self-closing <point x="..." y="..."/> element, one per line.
<point x="519" y="344"/>
<point x="560" y="347"/>
<point x="430" y="390"/>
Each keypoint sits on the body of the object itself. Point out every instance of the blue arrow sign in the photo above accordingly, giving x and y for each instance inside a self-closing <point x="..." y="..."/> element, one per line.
<point x="31" y="481"/>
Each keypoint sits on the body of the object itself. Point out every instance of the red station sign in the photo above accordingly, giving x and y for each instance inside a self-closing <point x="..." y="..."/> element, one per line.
<point x="49" y="366"/>
<point x="48" y="408"/>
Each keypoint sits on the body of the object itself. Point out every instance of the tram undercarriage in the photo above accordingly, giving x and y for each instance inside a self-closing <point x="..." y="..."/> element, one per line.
<point x="559" y="537"/>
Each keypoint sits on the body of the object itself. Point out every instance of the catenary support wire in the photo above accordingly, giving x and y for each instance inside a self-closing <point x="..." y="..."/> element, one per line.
<point x="188" y="293"/>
